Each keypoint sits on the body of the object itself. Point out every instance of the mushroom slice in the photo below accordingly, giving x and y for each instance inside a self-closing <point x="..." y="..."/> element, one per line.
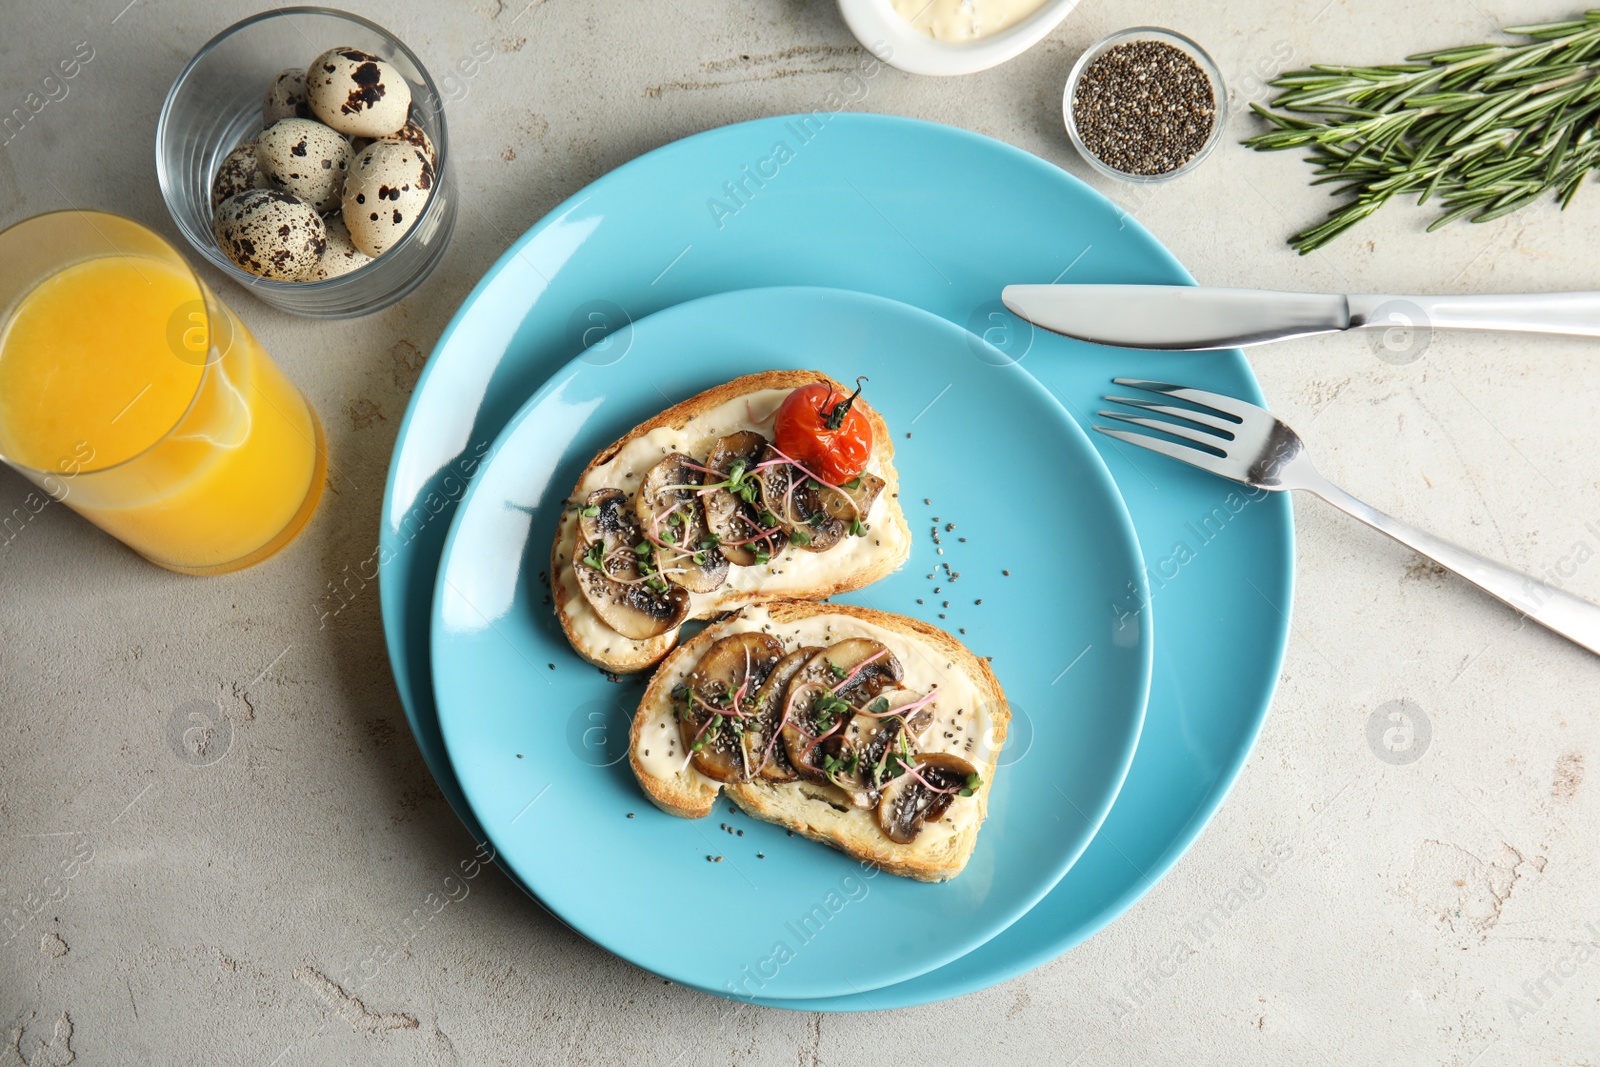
<point x="636" y="604"/>
<point x="605" y="516"/>
<point x="793" y="500"/>
<point x="852" y="501"/>
<point x="921" y="795"/>
<point x="717" y="704"/>
<point x="856" y="669"/>
<point x="670" y="513"/>
<point x="731" y="512"/>
<point x="775" y="490"/>
<point x="813" y="717"/>
<point x="825" y="694"/>
<point x="774" y="762"/>
<point x="875" y="745"/>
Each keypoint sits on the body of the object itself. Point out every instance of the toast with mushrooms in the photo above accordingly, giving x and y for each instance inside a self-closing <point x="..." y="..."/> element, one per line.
<point x="697" y="512"/>
<point x="874" y="733"/>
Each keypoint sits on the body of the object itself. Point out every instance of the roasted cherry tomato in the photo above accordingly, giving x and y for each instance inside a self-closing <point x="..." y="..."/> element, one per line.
<point x="818" y="427"/>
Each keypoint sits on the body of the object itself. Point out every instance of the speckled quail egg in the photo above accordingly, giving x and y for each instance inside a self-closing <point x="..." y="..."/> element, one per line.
<point x="341" y="256"/>
<point x="271" y="234"/>
<point x="357" y="93"/>
<point x="413" y="134"/>
<point x="237" y="173"/>
<point x="286" y="98"/>
<point x="305" y="158"/>
<point x="384" y="194"/>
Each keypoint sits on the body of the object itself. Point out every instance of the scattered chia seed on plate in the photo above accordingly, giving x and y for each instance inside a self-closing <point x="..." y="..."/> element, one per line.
<point x="1144" y="107"/>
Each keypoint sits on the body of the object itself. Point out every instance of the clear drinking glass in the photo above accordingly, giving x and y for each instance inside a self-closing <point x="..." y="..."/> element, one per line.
<point x="131" y="394"/>
<point x="216" y="103"/>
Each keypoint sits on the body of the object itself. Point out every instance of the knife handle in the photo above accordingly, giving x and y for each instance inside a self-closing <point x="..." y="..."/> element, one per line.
<point x="1577" y="314"/>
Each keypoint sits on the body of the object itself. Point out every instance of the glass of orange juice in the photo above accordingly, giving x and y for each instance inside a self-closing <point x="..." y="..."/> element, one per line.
<point x="133" y="395"/>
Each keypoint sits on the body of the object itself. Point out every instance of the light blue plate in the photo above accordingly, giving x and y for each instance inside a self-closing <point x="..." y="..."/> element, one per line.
<point x="537" y="736"/>
<point x="941" y="219"/>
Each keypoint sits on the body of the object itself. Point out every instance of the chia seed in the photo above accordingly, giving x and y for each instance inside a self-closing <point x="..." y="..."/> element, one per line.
<point x="1144" y="107"/>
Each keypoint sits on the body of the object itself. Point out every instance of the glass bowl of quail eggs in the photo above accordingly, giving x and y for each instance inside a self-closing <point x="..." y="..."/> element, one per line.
<point x="304" y="153"/>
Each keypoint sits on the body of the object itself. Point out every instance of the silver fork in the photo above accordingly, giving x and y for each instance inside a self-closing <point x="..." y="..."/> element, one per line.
<point x="1247" y="444"/>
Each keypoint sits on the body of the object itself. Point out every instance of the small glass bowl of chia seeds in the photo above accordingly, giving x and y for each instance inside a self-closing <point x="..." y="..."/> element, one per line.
<point x="1145" y="105"/>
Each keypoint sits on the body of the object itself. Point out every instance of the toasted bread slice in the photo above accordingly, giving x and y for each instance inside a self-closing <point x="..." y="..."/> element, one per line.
<point x="970" y="719"/>
<point x="692" y="427"/>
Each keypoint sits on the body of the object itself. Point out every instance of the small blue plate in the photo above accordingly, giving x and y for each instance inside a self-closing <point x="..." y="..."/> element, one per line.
<point x="939" y="218"/>
<point x="538" y="738"/>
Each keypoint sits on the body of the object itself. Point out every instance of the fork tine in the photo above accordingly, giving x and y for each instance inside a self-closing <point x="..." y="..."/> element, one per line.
<point x="1239" y="409"/>
<point x="1204" y="418"/>
<point x="1200" y="437"/>
<point x="1192" y="456"/>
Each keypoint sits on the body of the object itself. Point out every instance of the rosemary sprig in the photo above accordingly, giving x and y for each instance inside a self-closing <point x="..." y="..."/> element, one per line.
<point x="1483" y="129"/>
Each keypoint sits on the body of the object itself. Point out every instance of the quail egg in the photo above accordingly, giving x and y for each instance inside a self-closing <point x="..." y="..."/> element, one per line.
<point x="271" y="234"/>
<point x="237" y="173"/>
<point x="341" y="256"/>
<point x="384" y="194"/>
<point x="286" y="98"/>
<point x="305" y="158"/>
<point x="413" y="134"/>
<point x="357" y="93"/>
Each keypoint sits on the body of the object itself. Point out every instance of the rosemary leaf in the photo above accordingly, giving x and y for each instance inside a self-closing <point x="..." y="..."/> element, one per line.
<point x="1484" y="129"/>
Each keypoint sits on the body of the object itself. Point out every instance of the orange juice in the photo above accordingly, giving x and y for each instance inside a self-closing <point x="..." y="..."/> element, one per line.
<point x="167" y="424"/>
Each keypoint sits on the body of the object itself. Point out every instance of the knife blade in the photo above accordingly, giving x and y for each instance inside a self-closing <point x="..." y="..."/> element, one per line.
<point x="1189" y="318"/>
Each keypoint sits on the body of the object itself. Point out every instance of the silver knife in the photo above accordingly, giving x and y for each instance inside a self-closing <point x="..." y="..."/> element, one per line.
<point x="1188" y="318"/>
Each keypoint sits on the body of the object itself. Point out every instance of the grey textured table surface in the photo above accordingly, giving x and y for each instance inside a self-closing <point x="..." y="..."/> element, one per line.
<point x="1439" y="906"/>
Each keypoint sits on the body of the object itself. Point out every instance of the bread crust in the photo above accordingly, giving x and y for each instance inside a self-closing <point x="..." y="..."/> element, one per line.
<point x="693" y="796"/>
<point x="625" y="656"/>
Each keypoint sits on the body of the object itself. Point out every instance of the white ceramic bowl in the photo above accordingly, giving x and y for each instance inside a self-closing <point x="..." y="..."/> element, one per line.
<point x="900" y="44"/>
